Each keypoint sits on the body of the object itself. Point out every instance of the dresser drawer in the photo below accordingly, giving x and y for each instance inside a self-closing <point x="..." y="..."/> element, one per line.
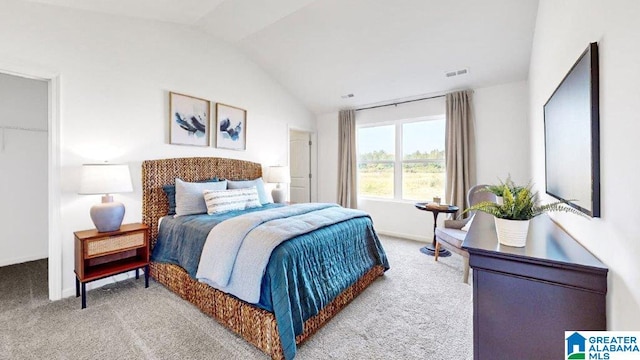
<point x="109" y="245"/>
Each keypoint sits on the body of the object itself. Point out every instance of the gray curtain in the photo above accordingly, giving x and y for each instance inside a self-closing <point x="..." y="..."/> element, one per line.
<point x="460" y="148"/>
<point x="347" y="185"/>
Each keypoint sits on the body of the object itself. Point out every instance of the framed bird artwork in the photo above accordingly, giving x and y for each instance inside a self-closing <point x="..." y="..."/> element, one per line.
<point x="231" y="127"/>
<point x="189" y="119"/>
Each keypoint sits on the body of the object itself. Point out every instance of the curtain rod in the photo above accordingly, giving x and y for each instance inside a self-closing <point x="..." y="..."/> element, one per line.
<point x="400" y="102"/>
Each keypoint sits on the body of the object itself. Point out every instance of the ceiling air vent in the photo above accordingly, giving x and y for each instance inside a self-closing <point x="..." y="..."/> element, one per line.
<point x="459" y="72"/>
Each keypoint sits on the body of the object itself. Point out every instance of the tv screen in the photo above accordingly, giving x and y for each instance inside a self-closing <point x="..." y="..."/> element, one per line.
<point x="571" y="136"/>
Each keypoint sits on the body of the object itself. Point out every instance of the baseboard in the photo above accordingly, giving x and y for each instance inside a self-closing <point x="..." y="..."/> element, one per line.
<point x="20" y="260"/>
<point x="423" y="239"/>
<point x="102" y="282"/>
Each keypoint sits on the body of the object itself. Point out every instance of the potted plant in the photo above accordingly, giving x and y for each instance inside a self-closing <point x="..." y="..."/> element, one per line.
<point x="519" y="205"/>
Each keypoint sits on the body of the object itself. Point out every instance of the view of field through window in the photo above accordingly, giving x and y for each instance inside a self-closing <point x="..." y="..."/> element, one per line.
<point x="420" y="165"/>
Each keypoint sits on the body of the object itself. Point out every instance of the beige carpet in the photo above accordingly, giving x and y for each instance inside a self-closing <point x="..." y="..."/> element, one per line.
<point x="420" y="309"/>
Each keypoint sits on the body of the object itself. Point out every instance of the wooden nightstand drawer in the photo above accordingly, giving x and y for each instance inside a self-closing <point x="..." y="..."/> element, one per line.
<point x="111" y="244"/>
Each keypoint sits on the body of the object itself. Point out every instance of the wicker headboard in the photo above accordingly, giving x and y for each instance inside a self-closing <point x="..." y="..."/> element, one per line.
<point x="156" y="173"/>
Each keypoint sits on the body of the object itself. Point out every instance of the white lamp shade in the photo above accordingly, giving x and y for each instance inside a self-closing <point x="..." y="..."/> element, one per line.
<point x="279" y="174"/>
<point x="105" y="179"/>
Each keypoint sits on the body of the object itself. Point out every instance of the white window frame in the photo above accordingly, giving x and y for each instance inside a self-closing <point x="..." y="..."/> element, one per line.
<point x="398" y="161"/>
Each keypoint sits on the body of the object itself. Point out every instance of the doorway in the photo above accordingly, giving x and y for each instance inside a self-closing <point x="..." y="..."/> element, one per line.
<point x="24" y="158"/>
<point x="24" y="69"/>
<point x="300" y="166"/>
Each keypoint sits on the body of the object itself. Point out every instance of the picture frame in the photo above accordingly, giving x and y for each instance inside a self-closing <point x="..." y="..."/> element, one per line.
<point x="189" y="120"/>
<point x="231" y="127"/>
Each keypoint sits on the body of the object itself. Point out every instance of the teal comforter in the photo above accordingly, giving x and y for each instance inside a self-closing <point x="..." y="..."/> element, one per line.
<point x="303" y="275"/>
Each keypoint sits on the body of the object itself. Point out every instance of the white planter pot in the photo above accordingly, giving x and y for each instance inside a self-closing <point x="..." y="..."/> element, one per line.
<point x="512" y="232"/>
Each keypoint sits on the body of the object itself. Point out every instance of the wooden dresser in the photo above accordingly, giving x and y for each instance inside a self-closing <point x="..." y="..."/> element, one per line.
<point x="525" y="298"/>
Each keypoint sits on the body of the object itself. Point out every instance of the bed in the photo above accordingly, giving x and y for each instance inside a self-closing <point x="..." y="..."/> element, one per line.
<point x="254" y="323"/>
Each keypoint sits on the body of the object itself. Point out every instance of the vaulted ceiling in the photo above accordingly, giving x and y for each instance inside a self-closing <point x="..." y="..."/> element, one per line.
<point x="378" y="50"/>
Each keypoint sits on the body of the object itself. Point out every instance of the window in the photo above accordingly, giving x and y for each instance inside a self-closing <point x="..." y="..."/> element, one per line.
<point x="376" y="161"/>
<point x="403" y="160"/>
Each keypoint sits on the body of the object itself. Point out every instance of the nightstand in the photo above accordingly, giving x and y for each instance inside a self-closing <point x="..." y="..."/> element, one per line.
<point x="100" y="255"/>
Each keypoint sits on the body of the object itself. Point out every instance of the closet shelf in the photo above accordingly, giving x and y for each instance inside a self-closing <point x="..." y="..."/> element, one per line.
<point x="22" y="128"/>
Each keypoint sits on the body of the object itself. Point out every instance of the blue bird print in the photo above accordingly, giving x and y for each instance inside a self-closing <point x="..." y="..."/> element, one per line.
<point x="197" y="124"/>
<point x="233" y="133"/>
<point x="185" y="125"/>
<point x="224" y="124"/>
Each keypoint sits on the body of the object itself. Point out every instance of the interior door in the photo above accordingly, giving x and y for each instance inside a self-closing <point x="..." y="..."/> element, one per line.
<point x="300" y="166"/>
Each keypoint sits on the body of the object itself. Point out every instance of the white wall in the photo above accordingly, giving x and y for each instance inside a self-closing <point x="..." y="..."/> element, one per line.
<point x="328" y="136"/>
<point x="562" y="34"/>
<point x="500" y="122"/>
<point x="502" y="133"/>
<point x="115" y="74"/>
<point x="23" y="169"/>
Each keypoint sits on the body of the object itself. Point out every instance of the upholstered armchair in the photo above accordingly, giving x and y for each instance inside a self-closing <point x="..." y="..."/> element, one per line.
<point x="454" y="232"/>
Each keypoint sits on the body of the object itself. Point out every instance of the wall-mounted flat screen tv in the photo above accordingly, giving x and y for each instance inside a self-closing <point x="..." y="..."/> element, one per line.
<point x="571" y="136"/>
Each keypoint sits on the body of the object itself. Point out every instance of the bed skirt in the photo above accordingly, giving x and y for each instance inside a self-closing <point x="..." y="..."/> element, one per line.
<point x="254" y="324"/>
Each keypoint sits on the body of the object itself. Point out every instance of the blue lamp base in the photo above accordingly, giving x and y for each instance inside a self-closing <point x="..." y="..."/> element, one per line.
<point x="108" y="215"/>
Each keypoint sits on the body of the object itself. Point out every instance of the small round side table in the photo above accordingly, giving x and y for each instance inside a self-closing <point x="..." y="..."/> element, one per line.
<point x="431" y="248"/>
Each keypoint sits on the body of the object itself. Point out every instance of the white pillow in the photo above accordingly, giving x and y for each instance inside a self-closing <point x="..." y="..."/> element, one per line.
<point x="189" y="198"/>
<point x="219" y="201"/>
<point x="468" y="224"/>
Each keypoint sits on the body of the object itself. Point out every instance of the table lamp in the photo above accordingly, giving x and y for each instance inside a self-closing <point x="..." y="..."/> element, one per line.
<point x="106" y="179"/>
<point x="279" y="175"/>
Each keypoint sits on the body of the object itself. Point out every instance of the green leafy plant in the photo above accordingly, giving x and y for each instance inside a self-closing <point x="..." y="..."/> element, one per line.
<point x="518" y="203"/>
<point x="498" y="190"/>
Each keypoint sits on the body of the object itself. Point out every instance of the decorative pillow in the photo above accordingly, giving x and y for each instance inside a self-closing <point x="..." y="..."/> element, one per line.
<point x="468" y="224"/>
<point x="219" y="201"/>
<point x="189" y="199"/>
<point x="258" y="183"/>
<point x="170" y="190"/>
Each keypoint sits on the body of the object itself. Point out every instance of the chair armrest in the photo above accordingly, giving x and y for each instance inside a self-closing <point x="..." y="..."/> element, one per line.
<point x="456" y="224"/>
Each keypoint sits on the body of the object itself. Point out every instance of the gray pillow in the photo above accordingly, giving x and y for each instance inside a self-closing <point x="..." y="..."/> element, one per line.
<point x="190" y="196"/>
<point x="258" y="183"/>
<point x="170" y="191"/>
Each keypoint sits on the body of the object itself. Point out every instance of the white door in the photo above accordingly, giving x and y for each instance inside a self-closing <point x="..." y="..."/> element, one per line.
<point x="300" y="166"/>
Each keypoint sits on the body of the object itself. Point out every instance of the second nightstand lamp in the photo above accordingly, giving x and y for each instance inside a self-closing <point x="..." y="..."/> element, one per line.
<point x="279" y="175"/>
<point x="106" y="179"/>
